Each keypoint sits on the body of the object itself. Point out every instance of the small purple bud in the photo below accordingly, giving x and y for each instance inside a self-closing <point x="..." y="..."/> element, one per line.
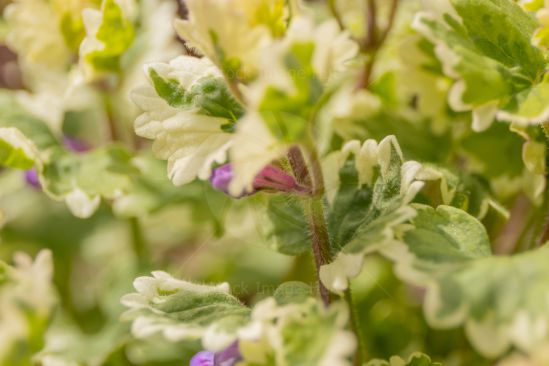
<point x="228" y="357"/>
<point x="221" y="178"/>
<point x="31" y="176"/>
<point x="74" y="145"/>
<point x="271" y="178"/>
<point x="203" y="358"/>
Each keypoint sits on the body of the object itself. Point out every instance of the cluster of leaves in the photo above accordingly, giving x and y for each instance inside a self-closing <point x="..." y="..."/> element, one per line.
<point x="411" y="132"/>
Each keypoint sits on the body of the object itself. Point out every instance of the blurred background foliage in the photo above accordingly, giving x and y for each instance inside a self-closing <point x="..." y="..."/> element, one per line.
<point x="194" y="232"/>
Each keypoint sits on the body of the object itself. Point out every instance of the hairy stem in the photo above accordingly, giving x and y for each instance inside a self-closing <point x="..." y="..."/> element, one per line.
<point x="299" y="167"/>
<point x="311" y="176"/>
<point x="361" y="355"/>
<point x="314" y="210"/>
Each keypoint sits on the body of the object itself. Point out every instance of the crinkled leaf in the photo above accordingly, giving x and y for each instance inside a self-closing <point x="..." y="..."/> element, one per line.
<point x="372" y="197"/>
<point x="450" y="256"/>
<point x="192" y="131"/>
<point x="297" y="334"/>
<point x="287" y="230"/>
<point x="488" y="52"/>
<point x="181" y="310"/>
<point x="208" y="96"/>
<point x="293" y="292"/>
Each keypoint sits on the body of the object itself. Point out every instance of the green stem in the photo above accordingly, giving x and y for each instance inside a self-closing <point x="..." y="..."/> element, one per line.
<point x="361" y="355"/>
<point x="374" y="40"/>
<point x="139" y="244"/>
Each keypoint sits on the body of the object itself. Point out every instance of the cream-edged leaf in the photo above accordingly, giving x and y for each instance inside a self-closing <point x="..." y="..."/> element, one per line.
<point x="181" y="310"/>
<point x="305" y="333"/>
<point x="369" y="198"/>
<point x="190" y="114"/>
<point x="496" y="69"/>
<point x="501" y="300"/>
<point x="109" y="33"/>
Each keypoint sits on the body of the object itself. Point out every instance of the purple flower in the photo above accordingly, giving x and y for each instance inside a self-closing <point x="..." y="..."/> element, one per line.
<point x="228" y="357"/>
<point x="31" y="176"/>
<point x="221" y="178"/>
<point x="271" y="178"/>
<point x="203" y="358"/>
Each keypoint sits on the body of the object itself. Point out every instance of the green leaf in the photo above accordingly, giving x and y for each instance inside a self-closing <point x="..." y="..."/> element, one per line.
<point x="293" y="292"/>
<point x="486" y="149"/>
<point x="72" y="29"/>
<point x="371" y="198"/>
<point x="499" y="299"/>
<point x="208" y="96"/>
<point x="416" y="359"/>
<point x="469" y="192"/>
<point x="287" y="231"/>
<point x="181" y="310"/>
<point x="109" y="34"/>
<point x="307" y="333"/>
<point x="488" y="52"/>
<point x="288" y="114"/>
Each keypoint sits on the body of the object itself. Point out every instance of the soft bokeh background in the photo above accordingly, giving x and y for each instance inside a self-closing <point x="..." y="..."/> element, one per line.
<point x="198" y="234"/>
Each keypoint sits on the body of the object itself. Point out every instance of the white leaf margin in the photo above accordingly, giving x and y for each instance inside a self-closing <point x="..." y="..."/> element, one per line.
<point x="336" y="275"/>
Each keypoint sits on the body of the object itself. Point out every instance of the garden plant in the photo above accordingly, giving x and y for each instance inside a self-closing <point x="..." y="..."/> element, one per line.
<point x="274" y="183"/>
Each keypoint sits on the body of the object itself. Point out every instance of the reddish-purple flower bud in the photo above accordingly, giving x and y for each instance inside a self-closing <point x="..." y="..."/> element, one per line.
<point x="203" y="358"/>
<point x="74" y="145"/>
<point x="271" y="178"/>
